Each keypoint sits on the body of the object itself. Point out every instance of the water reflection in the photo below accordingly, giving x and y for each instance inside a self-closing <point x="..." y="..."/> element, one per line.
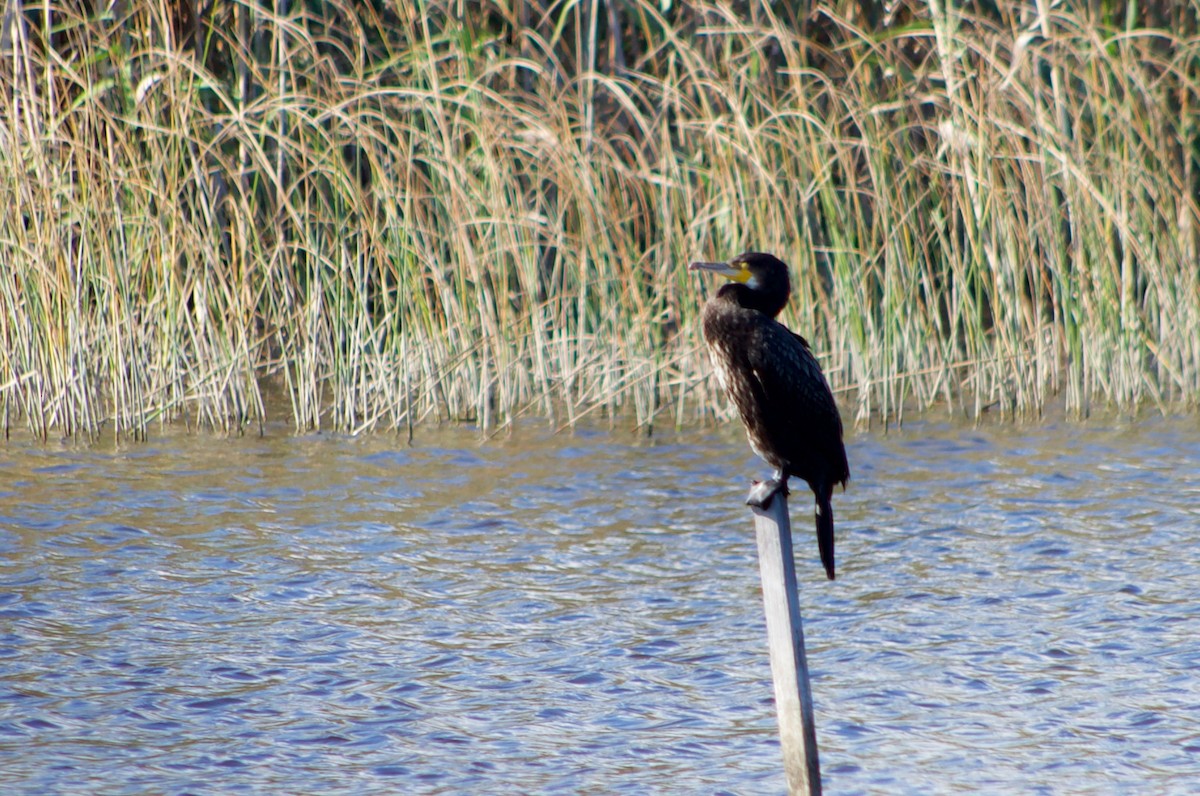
<point x="1015" y="612"/>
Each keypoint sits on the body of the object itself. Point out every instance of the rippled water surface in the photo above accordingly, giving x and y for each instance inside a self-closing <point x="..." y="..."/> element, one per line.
<point x="1017" y="611"/>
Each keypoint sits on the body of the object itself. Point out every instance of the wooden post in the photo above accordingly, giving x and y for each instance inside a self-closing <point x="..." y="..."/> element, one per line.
<point x="785" y="634"/>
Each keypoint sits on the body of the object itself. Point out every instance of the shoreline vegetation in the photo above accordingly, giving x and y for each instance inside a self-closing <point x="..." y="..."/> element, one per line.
<point x="403" y="212"/>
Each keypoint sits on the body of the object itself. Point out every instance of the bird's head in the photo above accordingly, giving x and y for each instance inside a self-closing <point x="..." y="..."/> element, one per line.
<point x="763" y="280"/>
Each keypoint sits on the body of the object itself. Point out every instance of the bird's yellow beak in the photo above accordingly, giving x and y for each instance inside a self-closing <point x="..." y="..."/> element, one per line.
<point x="738" y="272"/>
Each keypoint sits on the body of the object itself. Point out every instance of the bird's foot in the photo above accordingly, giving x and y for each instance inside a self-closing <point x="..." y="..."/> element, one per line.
<point x="762" y="492"/>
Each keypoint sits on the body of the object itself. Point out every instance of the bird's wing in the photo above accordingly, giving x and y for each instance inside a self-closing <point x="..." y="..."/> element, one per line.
<point x="798" y="404"/>
<point x="782" y="362"/>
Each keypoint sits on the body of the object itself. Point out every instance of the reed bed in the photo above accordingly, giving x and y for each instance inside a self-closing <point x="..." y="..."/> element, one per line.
<point x="405" y="213"/>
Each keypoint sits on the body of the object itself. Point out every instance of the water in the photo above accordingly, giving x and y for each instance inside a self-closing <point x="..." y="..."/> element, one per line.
<point x="1017" y="611"/>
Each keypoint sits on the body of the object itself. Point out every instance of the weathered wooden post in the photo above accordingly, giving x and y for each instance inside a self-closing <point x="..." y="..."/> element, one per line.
<point x="785" y="634"/>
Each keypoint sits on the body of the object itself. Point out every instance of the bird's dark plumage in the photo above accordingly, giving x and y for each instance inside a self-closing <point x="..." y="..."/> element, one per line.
<point x="775" y="382"/>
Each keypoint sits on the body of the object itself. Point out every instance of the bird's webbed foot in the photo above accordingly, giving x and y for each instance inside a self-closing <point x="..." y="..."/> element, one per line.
<point x="762" y="492"/>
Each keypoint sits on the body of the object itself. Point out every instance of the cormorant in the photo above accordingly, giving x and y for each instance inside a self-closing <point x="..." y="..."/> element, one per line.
<point x="776" y="384"/>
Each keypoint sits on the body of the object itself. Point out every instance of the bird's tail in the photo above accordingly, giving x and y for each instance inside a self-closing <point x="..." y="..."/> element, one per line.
<point x="825" y="528"/>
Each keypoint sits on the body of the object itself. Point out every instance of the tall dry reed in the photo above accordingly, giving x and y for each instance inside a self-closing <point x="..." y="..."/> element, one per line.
<point x="396" y="214"/>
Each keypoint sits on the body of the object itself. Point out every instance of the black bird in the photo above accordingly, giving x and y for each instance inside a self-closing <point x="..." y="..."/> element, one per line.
<point x="776" y="384"/>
